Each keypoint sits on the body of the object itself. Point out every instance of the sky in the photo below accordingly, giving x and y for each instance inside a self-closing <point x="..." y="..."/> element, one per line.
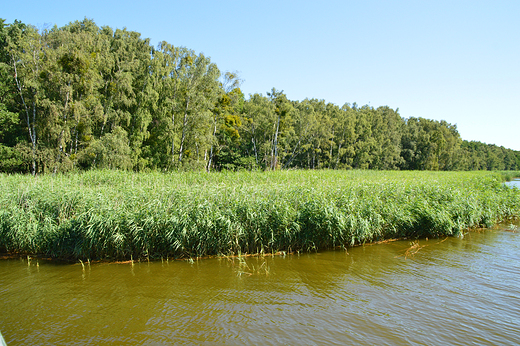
<point x="457" y="61"/>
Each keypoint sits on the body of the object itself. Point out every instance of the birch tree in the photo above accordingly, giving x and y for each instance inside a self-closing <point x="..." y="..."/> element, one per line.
<point x="199" y="88"/>
<point x="27" y="49"/>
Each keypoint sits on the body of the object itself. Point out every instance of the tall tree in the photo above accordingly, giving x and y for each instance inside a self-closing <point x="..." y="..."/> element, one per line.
<point x="165" y="70"/>
<point x="27" y="49"/>
<point x="226" y="121"/>
<point x="260" y="117"/>
<point x="282" y="109"/>
<point x="200" y="88"/>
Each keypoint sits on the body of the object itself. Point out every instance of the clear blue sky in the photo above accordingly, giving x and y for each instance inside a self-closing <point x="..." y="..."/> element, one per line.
<point x="457" y="61"/>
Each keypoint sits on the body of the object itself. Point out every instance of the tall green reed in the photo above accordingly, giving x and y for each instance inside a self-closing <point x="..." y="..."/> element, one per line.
<point x="122" y="215"/>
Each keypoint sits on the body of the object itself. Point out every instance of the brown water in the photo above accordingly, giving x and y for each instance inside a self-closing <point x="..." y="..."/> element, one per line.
<point x="451" y="291"/>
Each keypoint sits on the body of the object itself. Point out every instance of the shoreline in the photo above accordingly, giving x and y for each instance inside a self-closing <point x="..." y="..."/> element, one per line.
<point x="280" y="253"/>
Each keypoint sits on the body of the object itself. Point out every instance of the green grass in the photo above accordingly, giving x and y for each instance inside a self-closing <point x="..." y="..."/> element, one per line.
<point x="119" y="215"/>
<point x="510" y="175"/>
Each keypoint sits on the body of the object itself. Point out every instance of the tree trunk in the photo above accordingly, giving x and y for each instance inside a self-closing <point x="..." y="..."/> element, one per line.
<point x="173" y="136"/>
<point x="331" y="142"/>
<point x="184" y="126"/>
<point x="254" y="142"/>
<point x="30" y="127"/>
<point x="208" y="167"/>
<point x="275" y="144"/>
<point x="337" y="160"/>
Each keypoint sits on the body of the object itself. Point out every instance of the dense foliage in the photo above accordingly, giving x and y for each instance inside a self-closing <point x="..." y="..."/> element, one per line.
<point x="120" y="215"/>
<point x="82" y="96"/>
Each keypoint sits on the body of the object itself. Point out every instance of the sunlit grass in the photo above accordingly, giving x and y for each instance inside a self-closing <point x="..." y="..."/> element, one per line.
<point x="123" y="215"/>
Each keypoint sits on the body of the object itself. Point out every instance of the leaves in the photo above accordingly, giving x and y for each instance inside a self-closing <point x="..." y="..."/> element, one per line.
<point x="72" y="92"/>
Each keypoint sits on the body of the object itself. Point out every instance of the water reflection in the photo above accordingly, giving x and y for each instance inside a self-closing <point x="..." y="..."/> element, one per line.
<point x="441" y="291"/>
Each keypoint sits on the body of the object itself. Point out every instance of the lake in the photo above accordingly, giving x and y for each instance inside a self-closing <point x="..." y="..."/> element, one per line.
<point x="457" y="291"/>
<point x="514" y="183"/>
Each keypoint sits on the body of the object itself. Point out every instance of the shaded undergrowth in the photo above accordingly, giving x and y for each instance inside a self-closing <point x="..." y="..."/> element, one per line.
<point x="122" y="215"/>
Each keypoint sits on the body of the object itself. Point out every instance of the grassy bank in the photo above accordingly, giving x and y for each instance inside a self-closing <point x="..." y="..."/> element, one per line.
<point x="118" y="215"/>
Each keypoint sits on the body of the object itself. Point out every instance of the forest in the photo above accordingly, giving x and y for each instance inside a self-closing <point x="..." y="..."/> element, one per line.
<point x="82" y="97"/>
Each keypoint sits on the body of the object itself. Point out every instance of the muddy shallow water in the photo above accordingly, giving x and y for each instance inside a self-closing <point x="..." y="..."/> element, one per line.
<point x="457" y="291"/>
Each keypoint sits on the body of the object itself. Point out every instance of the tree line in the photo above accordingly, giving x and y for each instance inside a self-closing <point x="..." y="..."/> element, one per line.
<point x="80" y="97"/>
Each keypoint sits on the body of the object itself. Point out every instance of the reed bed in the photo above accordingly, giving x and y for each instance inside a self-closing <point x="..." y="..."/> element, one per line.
<point x="122" y="215"/>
